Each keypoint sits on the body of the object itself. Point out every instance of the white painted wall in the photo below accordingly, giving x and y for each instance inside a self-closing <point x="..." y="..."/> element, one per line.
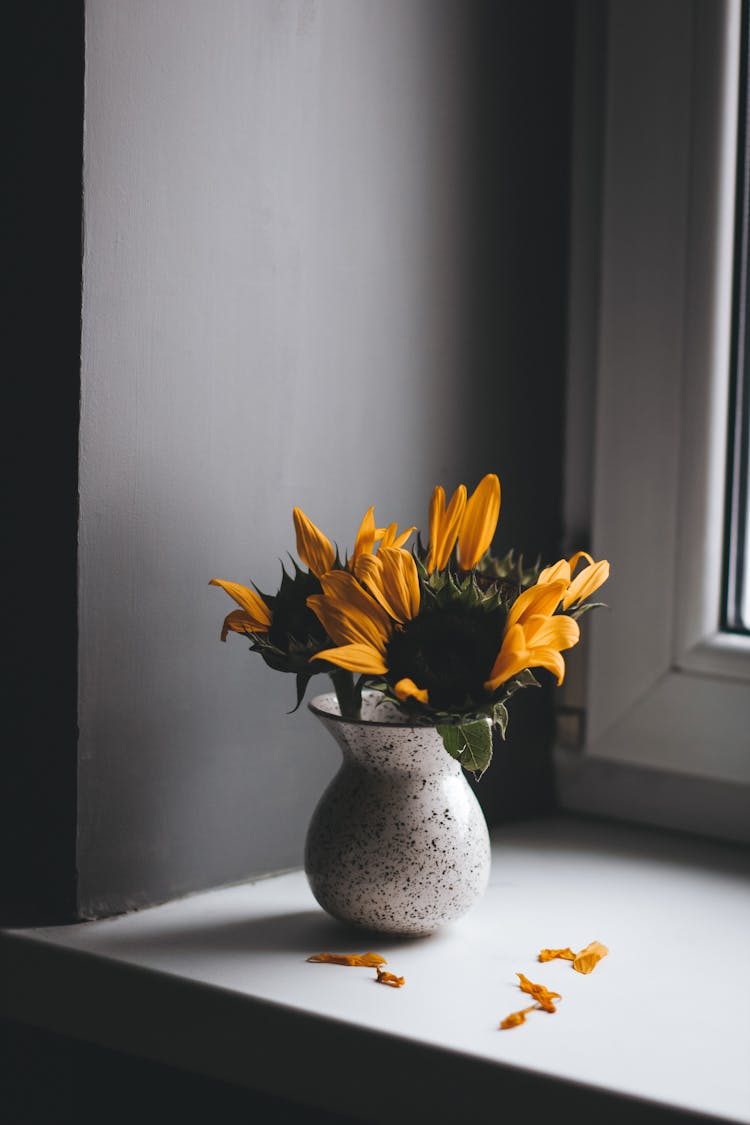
<point x="277" y="310"/>
<point x="273" y="258"/>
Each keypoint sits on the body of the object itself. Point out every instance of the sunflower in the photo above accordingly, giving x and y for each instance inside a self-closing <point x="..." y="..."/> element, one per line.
<point x="534" y="635"/>
<point x="281" y="626"/>
<point x="450" y="652"/>
<point x="449" y="632"/>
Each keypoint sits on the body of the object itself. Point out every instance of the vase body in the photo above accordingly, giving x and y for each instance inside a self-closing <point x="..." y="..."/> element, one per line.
<point x="398" y="842"/>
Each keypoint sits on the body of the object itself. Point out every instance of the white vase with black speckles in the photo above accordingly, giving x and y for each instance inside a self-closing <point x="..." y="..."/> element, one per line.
<point x="398" y="842"/>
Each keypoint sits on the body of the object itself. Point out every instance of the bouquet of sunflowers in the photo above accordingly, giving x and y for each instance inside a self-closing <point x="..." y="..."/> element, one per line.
<point x="446" y="630"/>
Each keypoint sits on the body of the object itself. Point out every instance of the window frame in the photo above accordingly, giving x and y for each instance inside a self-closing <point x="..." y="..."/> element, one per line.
<point x="665" y="692"/>
<point x="736" y="592"/>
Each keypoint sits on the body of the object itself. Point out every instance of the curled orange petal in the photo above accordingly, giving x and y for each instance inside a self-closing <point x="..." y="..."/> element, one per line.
<point x="407" y="689"/>
<point x="587" y="959"/>
<point x="516" y="1018"/>
<point x="542" y="995"/>
<point x="364" y="960"/>
<point x="551" y="954"/>
<point x="389" y="979"/>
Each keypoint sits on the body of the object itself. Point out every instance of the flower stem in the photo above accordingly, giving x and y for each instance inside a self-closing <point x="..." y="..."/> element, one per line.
<point x="348" y="694"/>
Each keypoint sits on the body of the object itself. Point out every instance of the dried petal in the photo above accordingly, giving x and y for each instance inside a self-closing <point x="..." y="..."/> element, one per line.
<point x="516" y="1018"/>
<point x="542" y="995"/>
<point x="551" y="954"/>
<point x="589" y="958"/>
<point x="365" y="960"/>
<point x="390" y="978"/>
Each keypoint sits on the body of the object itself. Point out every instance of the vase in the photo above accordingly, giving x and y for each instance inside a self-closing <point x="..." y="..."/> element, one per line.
<point x="398" y="842"/>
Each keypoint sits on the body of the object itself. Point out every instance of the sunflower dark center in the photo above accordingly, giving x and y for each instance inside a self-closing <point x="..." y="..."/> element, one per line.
<point x="448" y="651"/>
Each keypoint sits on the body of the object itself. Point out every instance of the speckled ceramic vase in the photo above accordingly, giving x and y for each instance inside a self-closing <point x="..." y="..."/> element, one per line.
<point x="398" y="842"/>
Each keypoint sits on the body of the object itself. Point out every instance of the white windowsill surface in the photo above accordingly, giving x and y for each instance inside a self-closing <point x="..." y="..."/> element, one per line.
<point x="218" y="983"/>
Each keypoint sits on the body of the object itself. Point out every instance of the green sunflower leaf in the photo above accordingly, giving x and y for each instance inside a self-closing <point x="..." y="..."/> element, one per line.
<point x="470" y="744"/>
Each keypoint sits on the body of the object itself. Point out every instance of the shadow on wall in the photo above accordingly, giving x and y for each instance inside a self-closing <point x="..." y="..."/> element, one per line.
<point x="524" y="62"/>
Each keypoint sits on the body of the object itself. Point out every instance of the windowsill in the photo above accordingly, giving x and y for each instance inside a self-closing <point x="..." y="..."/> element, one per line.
<point x="218" y="983"/>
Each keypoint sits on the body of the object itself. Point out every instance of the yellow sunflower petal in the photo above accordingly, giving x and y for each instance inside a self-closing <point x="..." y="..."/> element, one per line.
<point x="340" y="627"/>
<point x="586" y="582"/>
<point x="514" y="658"/>
<point x="535" y="644"/>
<point x="510" y="659"/>
<point x="366" y="569"/>
<point x="550" y="659"/>
<point x="313" y="548"/>
<point x="248" y="600"/>
<point x="400" y="583"/>
<point x="444" y="525"/>
<point x="407" y="689"/>
<point x="348" y="613"/>
<point x="343" y="588"/>
<point x="437" y="509"/>
<point x="436" y="516"/>
<point x="356" y="658"/>
<point x="480" y="522"/>
<point x="399" y="540"/>
<point x="239" y="621"/>
<point x="574" y="560"/>
<point x="557" y="631"/>
<point x="346" y="627"/>
<point x="542" y="598"/>
<point x="389" y="536"/>
<point x="559" y="570"/>
<point x="391" y="578"/>
<point x="365" y="540"/>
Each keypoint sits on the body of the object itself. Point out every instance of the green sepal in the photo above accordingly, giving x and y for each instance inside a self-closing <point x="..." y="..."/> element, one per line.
<point x="579" y="610"/>
<point x="274" y="657"/>
<point x="295" y="660"/>
<point x="500" y="718"/>
<point x="525" y="678"/>
<point x="470" y="744"/>
<point x="377" y="685"/>
<point x="509" y="568"/>
<point x="302" y="680"/>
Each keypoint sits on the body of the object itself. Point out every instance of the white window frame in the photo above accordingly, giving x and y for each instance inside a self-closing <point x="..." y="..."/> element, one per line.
<point x="665" y="694"/>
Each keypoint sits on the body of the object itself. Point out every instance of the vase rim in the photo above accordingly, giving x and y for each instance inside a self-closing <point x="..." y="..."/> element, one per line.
<point x="315" y="706"/>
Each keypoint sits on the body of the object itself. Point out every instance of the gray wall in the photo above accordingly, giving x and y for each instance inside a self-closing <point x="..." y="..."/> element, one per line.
<point x="324" y="258"/>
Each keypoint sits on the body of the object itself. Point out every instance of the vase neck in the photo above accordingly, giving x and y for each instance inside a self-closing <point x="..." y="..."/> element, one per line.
<point x="385" y="747"/>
